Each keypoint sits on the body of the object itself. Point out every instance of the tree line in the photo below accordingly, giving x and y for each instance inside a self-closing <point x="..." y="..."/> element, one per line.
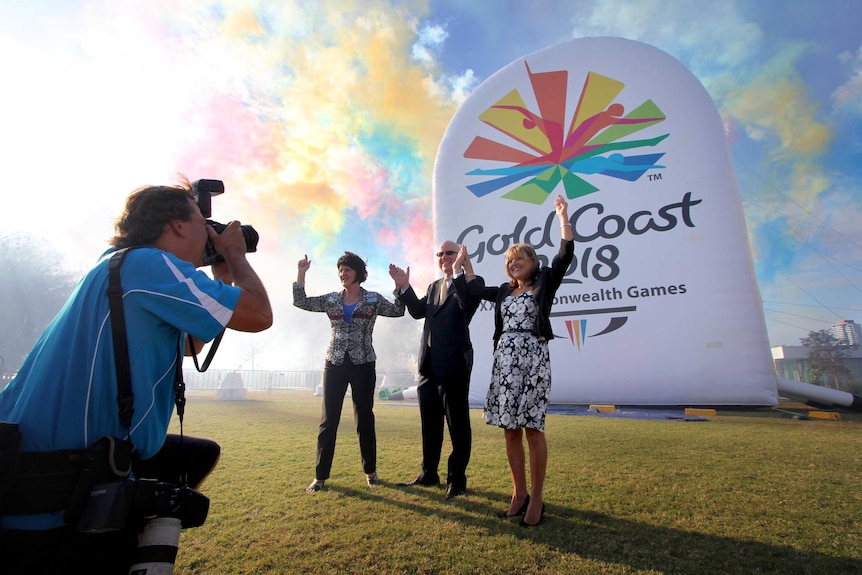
<point x="34" y="288"/>
<point x="825" y="355"/>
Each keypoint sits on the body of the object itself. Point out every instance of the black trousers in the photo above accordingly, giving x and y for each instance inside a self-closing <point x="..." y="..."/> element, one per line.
<point x="63" y="551"/>
<point x="446" y="399"/>
<point x="362" y="379"/>
<point x="182" y="460"/>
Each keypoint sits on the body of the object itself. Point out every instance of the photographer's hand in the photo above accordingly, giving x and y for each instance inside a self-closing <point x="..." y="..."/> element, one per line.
<point x="221" y="272"/>
<point x="229" y="241"/>
<point x="253" y="311"/>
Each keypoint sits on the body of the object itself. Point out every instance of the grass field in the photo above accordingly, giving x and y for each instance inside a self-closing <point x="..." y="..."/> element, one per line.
<point x="740" y="493"/>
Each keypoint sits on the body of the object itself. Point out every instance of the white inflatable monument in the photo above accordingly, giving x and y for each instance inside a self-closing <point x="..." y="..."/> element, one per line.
<point x="231" y="388"/>
<point x="660" y="305"/>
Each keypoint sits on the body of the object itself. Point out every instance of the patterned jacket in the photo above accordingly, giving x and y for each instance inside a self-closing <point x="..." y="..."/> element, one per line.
<point x="354" y="337"/>
<point x="544" y="289"/>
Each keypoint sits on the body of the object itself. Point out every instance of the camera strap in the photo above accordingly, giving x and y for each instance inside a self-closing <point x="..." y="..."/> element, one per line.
<point x="125" y="397"/>
<point x="180" y="400"/>
<point x="210" y="354"/>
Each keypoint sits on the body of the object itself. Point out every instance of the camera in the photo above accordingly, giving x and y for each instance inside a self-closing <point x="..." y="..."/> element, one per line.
<point x="110" y="505"/>
<point x="158" y="499"/>
<point x="204" y="190"/>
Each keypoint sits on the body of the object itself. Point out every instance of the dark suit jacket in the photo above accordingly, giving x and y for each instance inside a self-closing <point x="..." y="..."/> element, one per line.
<point x="544" y="289"/>
<point x="447" y="325"/>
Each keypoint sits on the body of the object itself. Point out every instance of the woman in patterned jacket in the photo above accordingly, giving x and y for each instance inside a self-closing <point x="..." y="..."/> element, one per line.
<point x="350" y="359"/>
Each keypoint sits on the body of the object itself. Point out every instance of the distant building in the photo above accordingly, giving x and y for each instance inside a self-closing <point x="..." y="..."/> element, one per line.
<point x="847" y="332"/>
<point x="791" y="362"/>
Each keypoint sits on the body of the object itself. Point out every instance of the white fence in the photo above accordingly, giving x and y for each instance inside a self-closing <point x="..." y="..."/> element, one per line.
<point x="271" y="380"/>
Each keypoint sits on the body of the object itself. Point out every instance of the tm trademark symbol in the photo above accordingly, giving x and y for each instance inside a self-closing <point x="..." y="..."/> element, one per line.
<point x="654" y="177"/>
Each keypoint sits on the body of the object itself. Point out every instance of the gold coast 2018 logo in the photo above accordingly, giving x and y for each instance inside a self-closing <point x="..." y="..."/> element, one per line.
<point x="593" y="144"/>
<point x="539" y="153"/>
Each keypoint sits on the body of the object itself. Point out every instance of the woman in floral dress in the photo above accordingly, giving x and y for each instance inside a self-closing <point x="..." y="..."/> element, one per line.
<point x="521" y="376"/>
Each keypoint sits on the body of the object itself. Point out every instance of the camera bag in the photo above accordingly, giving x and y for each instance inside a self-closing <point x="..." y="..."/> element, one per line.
<point x="10" y="456"/>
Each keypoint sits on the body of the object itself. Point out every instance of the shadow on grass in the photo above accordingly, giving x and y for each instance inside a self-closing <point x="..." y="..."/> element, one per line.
<point x="600" y="537"/>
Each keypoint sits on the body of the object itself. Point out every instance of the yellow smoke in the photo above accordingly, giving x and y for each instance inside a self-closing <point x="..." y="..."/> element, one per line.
<point x="775" y="105"/>
<point x="348" y="77"/>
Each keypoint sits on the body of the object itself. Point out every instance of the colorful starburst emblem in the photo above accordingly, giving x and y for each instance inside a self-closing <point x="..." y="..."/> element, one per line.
<point x="595" y="142"/>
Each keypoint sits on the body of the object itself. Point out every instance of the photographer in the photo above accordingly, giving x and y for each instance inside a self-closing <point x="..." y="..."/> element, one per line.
<point x="65" y="394"/>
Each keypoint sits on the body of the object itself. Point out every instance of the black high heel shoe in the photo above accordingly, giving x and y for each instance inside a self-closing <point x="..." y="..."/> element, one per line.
<point x="523" y="523"/>
<point x="521" y="511"/>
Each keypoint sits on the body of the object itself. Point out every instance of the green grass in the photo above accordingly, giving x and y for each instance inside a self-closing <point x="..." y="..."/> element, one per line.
<point x="737" y="494"/>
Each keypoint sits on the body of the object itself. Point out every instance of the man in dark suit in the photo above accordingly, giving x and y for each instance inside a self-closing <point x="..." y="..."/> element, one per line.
<point x="445" y="362"/>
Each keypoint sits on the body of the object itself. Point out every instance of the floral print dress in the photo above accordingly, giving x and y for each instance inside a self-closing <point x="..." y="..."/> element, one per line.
<point x="521" y="376"/>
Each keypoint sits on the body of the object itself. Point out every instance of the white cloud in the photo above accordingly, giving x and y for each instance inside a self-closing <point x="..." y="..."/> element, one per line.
<point x="849" y="94"/>
<point x="708" y="36"/>
<point x="461" y="86"/>
<point x="430" y="39"/>
<point x="426" y="49"/>
<point x="433" y="35"/>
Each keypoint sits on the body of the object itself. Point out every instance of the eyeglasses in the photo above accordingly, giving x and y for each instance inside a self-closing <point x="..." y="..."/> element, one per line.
<point x="447" y="252"/>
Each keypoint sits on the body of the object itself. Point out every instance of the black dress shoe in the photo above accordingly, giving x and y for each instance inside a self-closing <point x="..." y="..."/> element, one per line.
<point x="455" y="491"/>
<point x="523" y="523"/>
<point x="430" y="480"/>
<point x="521" y="511"/>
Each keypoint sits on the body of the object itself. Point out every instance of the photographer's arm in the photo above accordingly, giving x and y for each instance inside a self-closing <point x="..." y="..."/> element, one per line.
<point x="253" y="311"/>
<point x="199" y="345"/>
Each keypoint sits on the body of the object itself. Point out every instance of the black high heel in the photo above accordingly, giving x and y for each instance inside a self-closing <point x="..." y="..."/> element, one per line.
<point x="523" y="523"/>
<point x="521" y="511"/>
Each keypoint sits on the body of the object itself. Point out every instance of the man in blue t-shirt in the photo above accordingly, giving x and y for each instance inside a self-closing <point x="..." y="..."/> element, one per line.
<point x="65" y="395"/>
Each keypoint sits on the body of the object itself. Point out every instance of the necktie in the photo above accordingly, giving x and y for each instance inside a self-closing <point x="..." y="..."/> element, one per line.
<point x="441" y="297"/>
<point x="444" y="290"/>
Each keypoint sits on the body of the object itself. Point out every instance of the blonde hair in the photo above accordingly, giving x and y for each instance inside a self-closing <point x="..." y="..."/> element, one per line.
<point x="525" y="250"/>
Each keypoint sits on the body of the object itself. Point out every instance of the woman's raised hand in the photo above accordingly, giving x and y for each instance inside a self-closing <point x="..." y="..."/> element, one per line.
<point x="304" y="264"/>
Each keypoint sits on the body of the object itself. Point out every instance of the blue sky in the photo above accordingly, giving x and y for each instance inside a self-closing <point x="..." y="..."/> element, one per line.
<point x="323" y="119"/>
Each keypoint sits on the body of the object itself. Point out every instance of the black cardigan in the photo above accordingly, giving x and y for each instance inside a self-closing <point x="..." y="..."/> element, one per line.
<point x="544" y="289"/>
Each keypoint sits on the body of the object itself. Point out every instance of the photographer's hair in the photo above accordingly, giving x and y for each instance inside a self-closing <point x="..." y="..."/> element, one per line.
<point x="527" y="251"/>
<point x="355" y="263"/>
<point x="147" y="211"/>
